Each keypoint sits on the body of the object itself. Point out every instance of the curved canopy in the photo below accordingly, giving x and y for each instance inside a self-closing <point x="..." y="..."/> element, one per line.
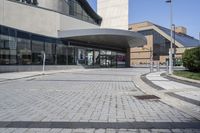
<point x="111" y="37"/>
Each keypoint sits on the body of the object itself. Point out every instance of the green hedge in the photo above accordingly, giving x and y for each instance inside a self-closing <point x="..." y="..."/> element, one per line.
<point x="191" y="59"/>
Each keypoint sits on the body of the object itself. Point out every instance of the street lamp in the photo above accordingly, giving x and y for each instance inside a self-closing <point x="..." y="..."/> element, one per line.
<point x="199" y="39"/>
<point x="174" y="47"/>
<point x="171" y="43"/>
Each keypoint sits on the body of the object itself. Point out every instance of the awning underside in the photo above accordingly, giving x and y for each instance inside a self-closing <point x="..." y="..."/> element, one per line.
<point x="105" y="37"/>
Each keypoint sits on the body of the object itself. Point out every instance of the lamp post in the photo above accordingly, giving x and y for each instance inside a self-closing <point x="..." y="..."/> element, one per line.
<point x="199" y="39"/>
<point x="171" y="43"/>
<point x="173" y="47"/>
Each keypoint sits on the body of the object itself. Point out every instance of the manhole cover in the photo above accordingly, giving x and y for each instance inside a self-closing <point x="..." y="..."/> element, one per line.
<point x="146" y="97"/>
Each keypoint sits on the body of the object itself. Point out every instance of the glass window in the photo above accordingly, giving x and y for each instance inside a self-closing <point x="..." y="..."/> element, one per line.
<point x="81" y="56"/>
<point x="61" y="51"/>
<point x="71" y="56"/>
<point x="37" y="49"/>
<point x="114" y="59"/>
<point x="24" y="54"/>
<point x="8" y="52"/>
<point x="32" y="2"/>
<point x="103" y="52"/>
<point x="96" y="58"/>
<point x="121" y="60"/>
<point x="89" y="55"/>
<point x="50" y="53"/>
<point x="160" y="44"/>
<point x="77" y="10"/>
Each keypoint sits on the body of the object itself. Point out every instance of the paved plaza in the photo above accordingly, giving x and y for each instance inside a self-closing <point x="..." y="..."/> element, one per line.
<point x="89" y="100"/>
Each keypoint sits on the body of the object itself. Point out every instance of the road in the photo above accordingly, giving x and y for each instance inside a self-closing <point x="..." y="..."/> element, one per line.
<point x="90" y="100"/>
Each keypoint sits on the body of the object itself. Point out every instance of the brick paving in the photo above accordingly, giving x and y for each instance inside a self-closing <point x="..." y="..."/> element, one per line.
<point x="99" y="95"/>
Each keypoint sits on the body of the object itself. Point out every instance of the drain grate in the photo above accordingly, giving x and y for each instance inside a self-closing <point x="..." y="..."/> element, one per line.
<point x="146" y="97"/>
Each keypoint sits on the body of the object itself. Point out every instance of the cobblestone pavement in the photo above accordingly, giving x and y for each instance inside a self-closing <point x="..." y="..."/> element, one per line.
<point x="97" y="101"/>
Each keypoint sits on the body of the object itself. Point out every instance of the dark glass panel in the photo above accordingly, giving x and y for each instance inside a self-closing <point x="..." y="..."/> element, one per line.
<point x="121" y="60"/>
<point x="7" y="50"/>
<point x="61" y="51"/>
<point x="89" y="57"/>
<point x="24" y="35"/>
<point x="96" y="58"/>
<point x="50" y="53"/>
<point x="24" y="54"/>
<point x="71" y="56"/>
<point x="81" y="56"/>
<point x="77" y="10"/>
<point x="37" y="49"/>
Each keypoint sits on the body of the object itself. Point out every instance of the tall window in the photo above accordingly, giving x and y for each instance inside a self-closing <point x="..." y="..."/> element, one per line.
<point x="7" y="50"/>
<point x="71" y="56"/>
<point x="50" y="53"/>
<point x="37" y="49"/>
<point x="24" y="54"/>
<point x="61" y="51"/>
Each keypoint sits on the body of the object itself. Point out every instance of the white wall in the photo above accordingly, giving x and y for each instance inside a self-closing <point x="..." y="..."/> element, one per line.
<point x="114" y="13"/>
<point x="31" y="19"/>
<point x="36" y="20"/>
<point x="68" y="23"/>
<point x="1" y="11"/>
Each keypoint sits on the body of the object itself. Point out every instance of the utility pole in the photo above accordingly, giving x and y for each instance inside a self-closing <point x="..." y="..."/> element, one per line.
<point x="151" y="60"/>
<point x="199" y="39"/>
<point x="171" y="43"/>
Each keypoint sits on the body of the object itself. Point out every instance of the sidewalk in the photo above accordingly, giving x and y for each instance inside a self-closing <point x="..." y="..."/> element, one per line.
<point x="19" y="75"/>
<point x="182" y="91"/>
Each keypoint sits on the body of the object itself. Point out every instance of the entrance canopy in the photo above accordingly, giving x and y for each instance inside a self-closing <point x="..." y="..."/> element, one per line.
<point x="105" y="37"/>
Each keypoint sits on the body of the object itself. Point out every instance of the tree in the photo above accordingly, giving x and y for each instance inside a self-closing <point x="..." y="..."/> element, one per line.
<point x="191" y="59"/>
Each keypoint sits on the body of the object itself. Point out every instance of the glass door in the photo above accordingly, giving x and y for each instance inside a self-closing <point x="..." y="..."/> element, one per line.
<point x="96" y="58"/>
<point x="89" y="57"/>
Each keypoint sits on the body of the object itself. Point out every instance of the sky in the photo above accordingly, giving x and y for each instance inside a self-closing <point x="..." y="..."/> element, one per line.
<point x="185" y="13"/>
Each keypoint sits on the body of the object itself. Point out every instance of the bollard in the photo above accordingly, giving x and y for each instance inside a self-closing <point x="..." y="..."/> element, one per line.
<point x="158" y="66"/>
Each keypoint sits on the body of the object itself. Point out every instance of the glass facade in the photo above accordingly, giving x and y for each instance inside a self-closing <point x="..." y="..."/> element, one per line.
<point x="23" y="48"/>
<point x="31" y="2"/>
<point x="160" y="44"/>
<point x="74" y="8"/>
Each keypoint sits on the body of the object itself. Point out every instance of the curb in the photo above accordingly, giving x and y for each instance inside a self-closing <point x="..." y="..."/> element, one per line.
<point x="189" y="100"/>
<point x="174" y="102"/>
<point x="2" y="81"/>
<point x="181" y="80"/>
<point x="37" y="74"/>
<point x="150" y="83"/>
<point x="185" y="79"/>
<point x="186" y="99"/>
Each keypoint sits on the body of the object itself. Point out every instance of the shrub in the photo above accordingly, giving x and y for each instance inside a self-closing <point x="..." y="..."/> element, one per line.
<point x="191" y="59"/>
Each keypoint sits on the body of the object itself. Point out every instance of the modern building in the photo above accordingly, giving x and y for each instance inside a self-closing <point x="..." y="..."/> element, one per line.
<point x="158" y="43"/>
<point x="114" y="13"/>
<point x="67" y="31"/>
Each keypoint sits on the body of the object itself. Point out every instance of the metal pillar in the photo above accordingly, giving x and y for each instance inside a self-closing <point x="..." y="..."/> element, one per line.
<point x="43" y="66"/>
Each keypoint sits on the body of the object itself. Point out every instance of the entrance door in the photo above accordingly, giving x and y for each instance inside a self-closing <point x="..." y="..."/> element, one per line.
<point x="103" y="61"/>
<point x="90" y="56"/>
